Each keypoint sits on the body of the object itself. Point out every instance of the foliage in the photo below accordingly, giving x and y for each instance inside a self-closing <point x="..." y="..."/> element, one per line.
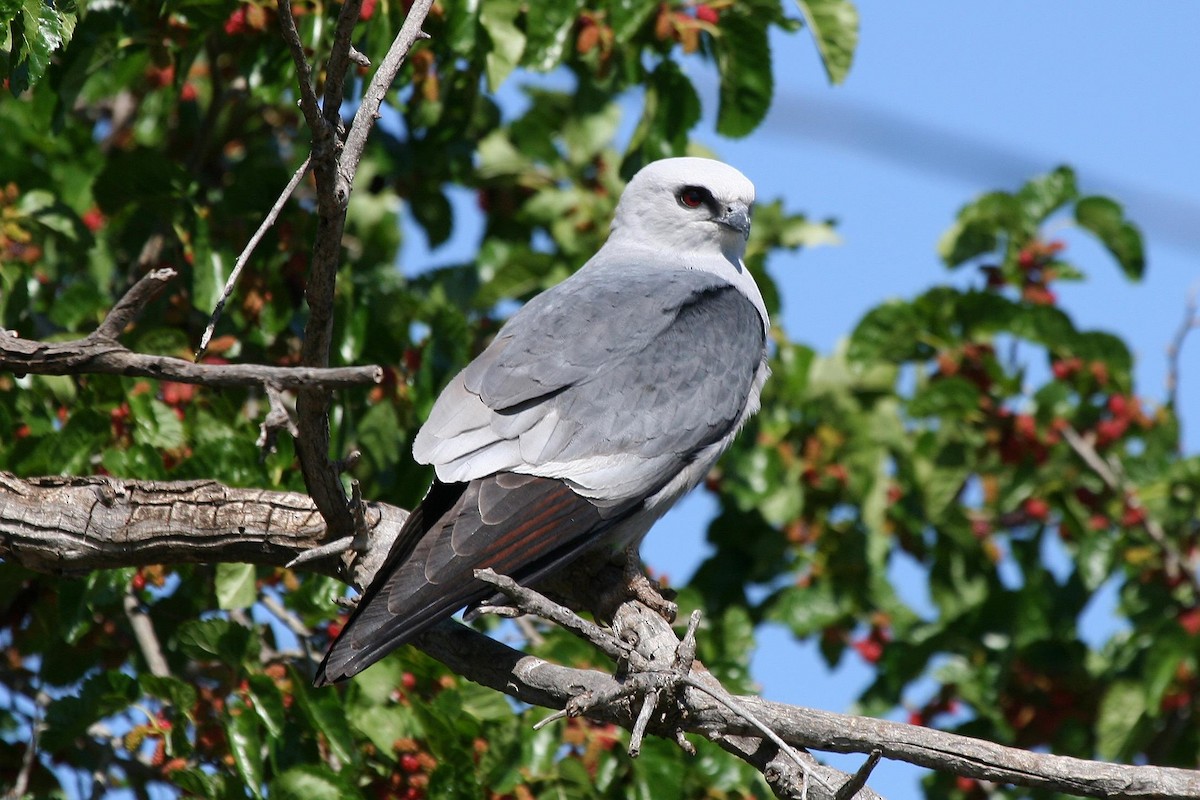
<point x="143" y="134"/>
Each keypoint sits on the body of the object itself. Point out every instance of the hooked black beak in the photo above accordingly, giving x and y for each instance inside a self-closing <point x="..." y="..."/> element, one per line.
<point x="737" y="217"/>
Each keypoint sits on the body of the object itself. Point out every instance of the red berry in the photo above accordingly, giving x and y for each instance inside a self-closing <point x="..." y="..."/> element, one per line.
<point x="188" y="93"/>
<point x="1118" y="405"/>
<point x="870" y="649"/>
<point x="410" y="763"/>
<point x="1037" y="508"/>
<point x="138" y="582"/>
<point x="706" y="13"/>
<point x="1189" y="618"/>
<point x="409" y="681"/>
<point x="1133" y="516"/>
<point x="94" y="219"/>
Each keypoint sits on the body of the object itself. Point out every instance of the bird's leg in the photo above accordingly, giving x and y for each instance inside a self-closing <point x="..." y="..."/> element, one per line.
<point x="636" y="585"/>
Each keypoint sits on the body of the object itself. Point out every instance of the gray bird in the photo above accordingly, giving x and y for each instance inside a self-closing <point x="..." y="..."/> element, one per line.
<point x="597" y="406"/>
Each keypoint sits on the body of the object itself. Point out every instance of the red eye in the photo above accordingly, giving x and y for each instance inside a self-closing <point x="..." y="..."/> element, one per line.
<point x="692" y="197"/>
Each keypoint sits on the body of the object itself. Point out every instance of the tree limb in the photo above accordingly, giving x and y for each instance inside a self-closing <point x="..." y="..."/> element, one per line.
<point x="101" y="353"/>
<point x="54" y="524"/>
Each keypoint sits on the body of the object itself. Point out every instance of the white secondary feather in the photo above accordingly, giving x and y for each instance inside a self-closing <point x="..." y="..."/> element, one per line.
<point x="591" y="438"/>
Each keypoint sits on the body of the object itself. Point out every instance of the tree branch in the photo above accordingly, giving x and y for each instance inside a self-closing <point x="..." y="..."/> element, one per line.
<point x="54" y="524"/>
<point x="101" y="353"/>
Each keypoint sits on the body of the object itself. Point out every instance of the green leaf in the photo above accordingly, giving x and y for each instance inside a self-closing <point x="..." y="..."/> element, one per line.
<point x="324" y="713"/>
<point x="498" y="18"/>
<point x="1045" y="194"/>
<point x="1106" y="219"/>
<point x="834" y="26"/>
<point x="1121" y="710"/>
<point x="101" y="695"/>
<point x="268" y="703"/>
<point x="979" y="227"/>
<point x="312" y="782"/>
<point x="746" y="83"/>
<point x="205" y="639"/>
<point x="241" y="729"/>
<point x="548" y="26"/>
<point x="36" y="30"/>
<point x="178" y="693"/>
<point x="235" y="586"/>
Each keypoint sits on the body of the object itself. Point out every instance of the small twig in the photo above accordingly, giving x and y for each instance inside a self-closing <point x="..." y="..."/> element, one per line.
<point x="725" y="699"/>
<point x="339" y="62"/>
<point x="133" y="303"/>
<point x="531" y="602"/>
<point x="244" y="256"/>
<point x="334" y="548"/>
<point x="859" y="779"/>
<point x="309" y="104"/>
<point x="1114" y="479"/>
<point x="147" y="639"/>
<point x="649" y="703"/>
<point x="1191" y="321"/>
<point x="279" y="418"/>
<point x="292" y="622"/>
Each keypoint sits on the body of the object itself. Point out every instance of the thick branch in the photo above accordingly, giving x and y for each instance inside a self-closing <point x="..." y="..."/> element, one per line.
<point x="75" y="524"/>
<point x="101" y="353"/>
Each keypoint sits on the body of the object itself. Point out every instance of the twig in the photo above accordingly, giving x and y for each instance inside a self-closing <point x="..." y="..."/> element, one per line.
<point x="532" y="602"/>
<point x="147" y="639"/>
<point x="649" y="703"/>
<point x="309" y="104"/>
<point x="859" y="779"/>
<point x="1191" y="321"/>
<point x="339" y="62"/>
<point x="247" y="251"/>
<point x="726" y="699"/>
<point x="278" y="418"/>
<point x="368" y="110"/>
<point x="292" y="622"/>
<point x="101" y="353"/>
<point x="1109" y="472"/>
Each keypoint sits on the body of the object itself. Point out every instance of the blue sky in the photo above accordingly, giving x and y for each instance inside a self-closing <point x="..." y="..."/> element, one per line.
<point x="947" y="100"/>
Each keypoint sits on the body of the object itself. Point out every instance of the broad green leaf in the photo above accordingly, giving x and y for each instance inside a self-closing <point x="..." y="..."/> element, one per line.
<point x="834" y="27"/>
<point x="101" y="695"/>
<point x="36" y="30"/>
<point x="235" y="586"/>
<point x="312" y="782"/>
<point x="980" y="226"/>
<point x="1045" y="194"/>
<point x="1106" y="219"/>
<point x="268" y="703"/>
<point x="1122" y="709"/>
<point x="325" y="714"/>
<point x="178" y="693"/>
<point x="498" y="18"/>
<point x="218" y="638"/>
<point x="241" y="729"/>
<point x="746" y="83"/>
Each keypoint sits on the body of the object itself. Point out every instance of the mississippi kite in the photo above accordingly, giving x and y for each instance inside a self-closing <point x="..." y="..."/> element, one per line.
<point x="596" y="407"/>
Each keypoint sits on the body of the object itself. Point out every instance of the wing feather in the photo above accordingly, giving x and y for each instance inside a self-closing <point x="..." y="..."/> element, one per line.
<point x="519" y="525"/>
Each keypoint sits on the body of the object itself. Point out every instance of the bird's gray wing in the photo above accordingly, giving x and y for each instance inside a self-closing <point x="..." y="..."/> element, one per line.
<point x="610" y="382"/>
<point x="519" y="525"/>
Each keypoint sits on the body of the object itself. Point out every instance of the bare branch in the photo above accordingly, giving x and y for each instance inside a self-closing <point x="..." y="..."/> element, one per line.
<point x="147" y="639"/>
<point x="368" y="110"/>
<point x="247" y="251"/>
<point x="101" y="353"/>
<point x="63" y="524"/>
<point x="1191" y="321"/>
<point x="1174" y="561"/>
